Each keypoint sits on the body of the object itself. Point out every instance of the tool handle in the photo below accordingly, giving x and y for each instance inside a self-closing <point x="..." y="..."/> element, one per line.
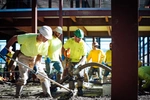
<point x="40" y="74"/>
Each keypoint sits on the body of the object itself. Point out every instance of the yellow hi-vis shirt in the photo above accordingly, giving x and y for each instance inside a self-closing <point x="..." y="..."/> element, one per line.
<point x="77" y="50"/>
<point x="30" y="47"/>
<point x="54" y="49"/>
<point x="108" y="59"/>
<point x="96" y="56"/>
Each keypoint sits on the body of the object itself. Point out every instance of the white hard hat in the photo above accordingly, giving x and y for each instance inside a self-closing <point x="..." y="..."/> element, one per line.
<point x="46" y="31"/>
<point x="10" y="48"/>
<point x="95" y="44"/>
<point x="58" y="29"/>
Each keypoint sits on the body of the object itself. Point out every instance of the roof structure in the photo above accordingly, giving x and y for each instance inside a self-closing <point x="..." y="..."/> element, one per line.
<point x="93" y="21"/>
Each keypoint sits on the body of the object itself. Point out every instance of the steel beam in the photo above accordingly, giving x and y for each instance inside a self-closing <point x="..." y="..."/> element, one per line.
<point x="124" y="50"/>
<point x="66" y="22"/>
<point x="65" y="12"/>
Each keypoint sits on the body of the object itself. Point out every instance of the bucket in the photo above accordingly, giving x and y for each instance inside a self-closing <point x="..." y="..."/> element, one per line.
<point x="106" y="89"/>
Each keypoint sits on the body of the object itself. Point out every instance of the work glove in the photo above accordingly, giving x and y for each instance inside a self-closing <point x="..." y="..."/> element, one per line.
<point x="3" y="52"/>
<point x="76" y="66"/>
<point x="103" y="63"/>
<point x="76" y="69"/>
<point x="35" y="69"/>
<point x="47" y="60"/>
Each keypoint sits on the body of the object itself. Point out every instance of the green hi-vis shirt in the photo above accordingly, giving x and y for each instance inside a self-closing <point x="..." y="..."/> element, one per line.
<point x="54" y="49"/>
<point x="77" y="50"/>
<point x="143" y="71"/>
<point x="108" y="59"/>
<point x="30" y="47"/>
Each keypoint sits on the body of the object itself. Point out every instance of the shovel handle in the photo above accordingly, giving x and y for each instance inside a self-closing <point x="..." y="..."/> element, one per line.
<point x="40" y="74"/>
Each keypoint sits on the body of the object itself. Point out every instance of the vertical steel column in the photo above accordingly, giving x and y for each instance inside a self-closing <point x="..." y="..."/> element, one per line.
<point x="94" y="39"/>
<point x="60" y="17"/>
<point x="71" y="3"/>
<point x="148" y="51"/>
<point x="139" y="49"/>
<point x="80" y="3"/>
<point x="68" y="27"/>
<point x="99" y="42"/>
<point x="68" y="31"/>
<point x="124" y="50"/>
<point x="93" y="3"/>
<point x="28" y="3"/>
<point x="143" y="52"/>
<point x="34" y="16"/>
<point x="100" y="3"/>
<point x="50" y="3"/>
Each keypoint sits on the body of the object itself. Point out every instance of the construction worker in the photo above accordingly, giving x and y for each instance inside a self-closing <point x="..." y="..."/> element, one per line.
<point x="144" y="74"/>
<point x="33" y="46"/>
<point x="108" y="61"/>
<point x="54" y="54"/>
<point x="78" y="54"/>
<point x="10" y="74"/>
<point x="95" y="55"/>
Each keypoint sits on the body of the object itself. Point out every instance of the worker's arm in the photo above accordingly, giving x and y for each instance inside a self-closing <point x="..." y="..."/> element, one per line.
<point x="60" y="54"/>
<point x="38" y="59"/>
<point x="89" y="57"/>
<point x="3" y="52"/>
<point x="103" y="57"/>
<point x="11" y="41"/>
<point x="82" y="60"/>
<point x="62" y="57"/>
<point x="37" y="63"/>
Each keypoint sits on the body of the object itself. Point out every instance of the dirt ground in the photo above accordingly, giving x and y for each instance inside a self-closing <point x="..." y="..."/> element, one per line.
<point x="32" y="91"/>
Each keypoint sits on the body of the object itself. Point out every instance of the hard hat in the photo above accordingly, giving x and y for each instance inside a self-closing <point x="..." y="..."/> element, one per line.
<point x="95" y="44"/>
<point x="10" y="48"/>
<point x="79" y="33"/>
<point x="58" y="29"/>
<point x="46" y="31"/>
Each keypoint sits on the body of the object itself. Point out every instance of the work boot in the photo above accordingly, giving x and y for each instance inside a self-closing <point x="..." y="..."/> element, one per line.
<point x="58" y="77"/>
<point x="105" y="79"/>
<point x="18" y="91"/>
<point x="47" y="95"/>
<point x="80" y="92"/>
<point x="53" y="88"/>
<point x="71" y="85"/>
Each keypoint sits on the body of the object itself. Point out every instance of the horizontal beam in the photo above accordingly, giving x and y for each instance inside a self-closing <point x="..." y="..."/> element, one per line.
<point x="55" y="22"/>
<point x="66" y="22"/>
<point x="65" y="12"/>
<point x="11" y="32"/>
<point x="105" y="33"/>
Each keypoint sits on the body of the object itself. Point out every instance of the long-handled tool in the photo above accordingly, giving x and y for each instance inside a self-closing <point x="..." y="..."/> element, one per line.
<point x="38" y="73"/>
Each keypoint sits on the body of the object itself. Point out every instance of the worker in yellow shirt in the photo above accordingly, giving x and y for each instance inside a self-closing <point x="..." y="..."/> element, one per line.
<point x="95" y="55"/>
<point x="108" y="62"/>
<point x="10" y="75"/>
<point x="54" y="60"/>
<point x="33" y="47"/>
<point x="78" y="54"/>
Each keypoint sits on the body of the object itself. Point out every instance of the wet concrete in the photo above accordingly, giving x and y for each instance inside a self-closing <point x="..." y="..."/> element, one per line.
<point x="34" y="91"/>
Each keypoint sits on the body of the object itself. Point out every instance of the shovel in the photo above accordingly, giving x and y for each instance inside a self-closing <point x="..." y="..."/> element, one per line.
<point x="71" y="92"/>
